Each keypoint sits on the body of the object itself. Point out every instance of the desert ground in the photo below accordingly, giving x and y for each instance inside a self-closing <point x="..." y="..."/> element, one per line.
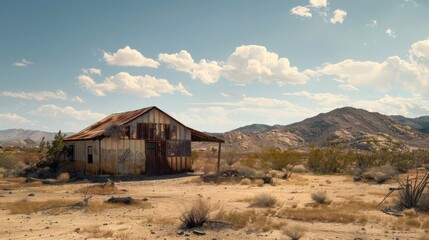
<point x="42" y="211"/>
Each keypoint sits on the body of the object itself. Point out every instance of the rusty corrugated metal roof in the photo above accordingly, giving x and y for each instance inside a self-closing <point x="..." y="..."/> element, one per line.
<point x="97" y="129"/>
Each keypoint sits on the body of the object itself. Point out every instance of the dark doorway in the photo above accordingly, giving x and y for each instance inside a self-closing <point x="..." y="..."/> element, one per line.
<point x="151" y="158"/>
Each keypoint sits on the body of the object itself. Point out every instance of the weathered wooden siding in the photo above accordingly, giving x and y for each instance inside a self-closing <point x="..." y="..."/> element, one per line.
<point x="157" y="117"/>
<point x="80" y="155"/>
<point x="122" y="156"/>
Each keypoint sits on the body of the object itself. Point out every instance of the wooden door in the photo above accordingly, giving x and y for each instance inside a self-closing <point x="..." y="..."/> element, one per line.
<point x="151" y="158"/>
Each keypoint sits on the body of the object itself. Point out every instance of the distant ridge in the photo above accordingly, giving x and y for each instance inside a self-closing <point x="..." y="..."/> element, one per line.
<point x="349" y="127"/>
<point x="21" y="137"/>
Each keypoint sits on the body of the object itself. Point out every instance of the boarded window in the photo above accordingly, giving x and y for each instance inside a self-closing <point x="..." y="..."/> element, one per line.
<point x="69" y="154"/>
<point x="128" y="132"/>
<point x="139" y="130"/>
<point x="179" y="148"/>
<point x="90" y="158"/>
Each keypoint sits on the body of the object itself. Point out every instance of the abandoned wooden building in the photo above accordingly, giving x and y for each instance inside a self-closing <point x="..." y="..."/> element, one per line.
<point x="151" y="142"/>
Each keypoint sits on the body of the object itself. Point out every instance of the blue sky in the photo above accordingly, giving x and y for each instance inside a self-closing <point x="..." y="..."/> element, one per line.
<point x="214" y="65"/>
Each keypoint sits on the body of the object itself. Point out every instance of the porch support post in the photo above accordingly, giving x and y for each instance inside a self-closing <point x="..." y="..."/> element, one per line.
<point x="218" y="159"/>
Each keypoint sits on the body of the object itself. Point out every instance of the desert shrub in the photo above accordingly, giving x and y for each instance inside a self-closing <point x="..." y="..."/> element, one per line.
<point x="7" y="163"/>
<point x="247" y="172"/>
<point x="295" y="232"/>
<point x="263" y="200"/>
<point x="65" y="176"/>
<point x="251" y="218"/>
<point x="299" y="169"/>
<point x="380" y="174"/>
<point x="410" y="190"/>
<point x="196" y="215"/>
<point x="330" y="160"/>
<point x="259" y="182"/>
<point x="231" y="157"/>
<point x="245" y="181"/>
<point x="280" y="159"/>
<point x="319" y="197"/>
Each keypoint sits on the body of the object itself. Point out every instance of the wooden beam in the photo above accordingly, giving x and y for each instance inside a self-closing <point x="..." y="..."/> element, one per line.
<point x="218" y="159"/>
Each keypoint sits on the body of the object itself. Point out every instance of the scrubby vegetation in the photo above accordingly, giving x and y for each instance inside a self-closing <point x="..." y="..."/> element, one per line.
<point x="196" y="215"/>
<point x="263" y="200"/>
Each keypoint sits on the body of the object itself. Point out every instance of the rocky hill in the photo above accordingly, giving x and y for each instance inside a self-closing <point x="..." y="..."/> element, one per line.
<point x="349" y="127"/>
<point x="419" y="123"/>
<point x="21" y="137"/>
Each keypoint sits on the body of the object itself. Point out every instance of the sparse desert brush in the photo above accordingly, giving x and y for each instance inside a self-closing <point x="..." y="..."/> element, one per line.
<point x="247" y="172"/>
<point x="299" y="169"/>
<point x="346" y="212"/>
<point x="28" y="207"/>
<point x="65" y="176"/>
<point x="295" y="232"/>
<point x="253" y="219"/>
<point x="263" y="200"/>
<point x="196" y="215"/>
<point x="380" y="174"/>
<point x="97" y="232"/>
<point x="99" y="189"/>
<point x="319" y="197"/>
<point x="245" y="181"/>
<point x="259" y="182"/>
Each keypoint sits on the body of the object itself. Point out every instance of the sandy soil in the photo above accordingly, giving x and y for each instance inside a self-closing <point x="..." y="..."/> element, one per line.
<point x="169" y="197"/>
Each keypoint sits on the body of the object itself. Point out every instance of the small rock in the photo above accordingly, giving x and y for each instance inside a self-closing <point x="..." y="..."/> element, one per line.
<point x="199" y="233"/>
<point x="187" y="235"/>
<point x="31" y="195"/>
<point x="152" y="232"/>
<point x="77" y="230"/>
<point x="180" y="232"/>
<point x="145" y="199"/>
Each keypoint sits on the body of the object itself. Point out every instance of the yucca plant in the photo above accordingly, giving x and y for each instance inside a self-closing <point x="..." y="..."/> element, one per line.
<point x="410" y="190"/>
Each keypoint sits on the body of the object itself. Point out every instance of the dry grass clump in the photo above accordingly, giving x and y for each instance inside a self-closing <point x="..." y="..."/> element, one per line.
<point x="380" y="174"/>
<point x="196" y="215"/>
<point x="28" y="207"/>
<point x="10" y="185"/>
<point x="247" y="172"/>
<point x="299" y="169"/>
<point x="264" y="200"/>
<point x="103" y="189"/>
<point x="347" y="212"/>
<point x="319" y="197"/>
<point x="97" y="206"/>
<point x="259" y="221"/>
<point x="245" y="181"/>
<point x="97" y="232"/>
<point x="64" y="177"/>
<point x="259" y="182"/>
<point x="295" y="232"/>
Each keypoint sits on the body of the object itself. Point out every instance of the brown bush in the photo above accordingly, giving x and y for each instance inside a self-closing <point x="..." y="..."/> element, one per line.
<point x="319" y="197"/>
<point x="295" y="232"/>
<point x="263" y="200"/>
<point x="196" y="215"/>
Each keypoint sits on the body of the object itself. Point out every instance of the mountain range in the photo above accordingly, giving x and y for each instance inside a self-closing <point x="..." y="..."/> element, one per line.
<point x="347" y="126"/>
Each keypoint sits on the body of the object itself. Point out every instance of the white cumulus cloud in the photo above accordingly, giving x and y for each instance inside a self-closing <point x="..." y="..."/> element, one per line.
<point x="55" y="112"/>
<point x="301" y="11"/>
<point x="254" y="62"/>
<point x="22" y="63"/>
<point x="324" y="98"/>
<point x="14" y="118"/>
<point x="338" y="17"/>
<point x="420" y="49"/>
<point x="141" y="86"/>
<point x="91" y="71"/>
<point x="77" y="99"/>
<point x="129" y="57"/>
<point x="207" y="71"/>
<point x="39" y="96"/>
<point x="319" y="3"/>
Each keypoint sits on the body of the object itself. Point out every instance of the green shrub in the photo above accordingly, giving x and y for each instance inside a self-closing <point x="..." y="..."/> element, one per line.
<point x="330" y="160"/>
<point x="280" y="159"/>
